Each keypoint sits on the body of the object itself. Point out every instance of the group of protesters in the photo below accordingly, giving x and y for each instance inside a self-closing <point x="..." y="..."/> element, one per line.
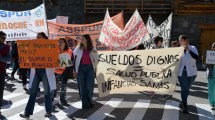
<point x="83" y="70"/>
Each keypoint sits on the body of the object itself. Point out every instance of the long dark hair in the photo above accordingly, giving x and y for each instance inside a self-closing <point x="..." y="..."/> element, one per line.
<point x="42" y="34"/>
<point x="89" y="42"/>
<point x="66" y="47"/>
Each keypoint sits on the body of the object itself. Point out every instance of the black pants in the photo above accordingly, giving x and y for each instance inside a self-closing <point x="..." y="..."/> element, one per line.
<point x="2" y="84"/>
<point x="23" y="73"/>
<point x="15" y="66"/>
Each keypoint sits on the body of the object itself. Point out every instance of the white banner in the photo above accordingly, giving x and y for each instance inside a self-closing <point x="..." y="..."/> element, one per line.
<point x="163" y="30"/>
<point x="23" y="25"/>
<point x="210" y="57"/>
<point x="140" y="70"/>
<point x="134" y="33"/>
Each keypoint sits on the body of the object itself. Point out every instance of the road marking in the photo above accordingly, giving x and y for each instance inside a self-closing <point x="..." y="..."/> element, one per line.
<point x="137" y="113"/>
<point x="105" y="110"/>
<point x="8" y="97"/>
<point x="15" y="104"/>
<point x="205" y="112"/>
<point x="37" y="108"/>
<point x="171" y="110"/>
<point x="75" y="106"/>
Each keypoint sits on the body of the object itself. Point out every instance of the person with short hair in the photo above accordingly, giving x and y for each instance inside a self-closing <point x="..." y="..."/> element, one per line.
<point x="187" y="70"/>
<point x="5" y="56"/>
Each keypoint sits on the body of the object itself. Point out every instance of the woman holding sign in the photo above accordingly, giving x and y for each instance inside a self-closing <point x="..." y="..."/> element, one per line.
<point x="187" y="70"/>
<point x="63" y="72"/>
<point x="210" y="73"/>
<point x="85" y="70"/>
<point x="46" y="75"/>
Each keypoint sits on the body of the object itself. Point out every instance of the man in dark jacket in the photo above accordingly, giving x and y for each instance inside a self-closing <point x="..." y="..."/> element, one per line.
<point x="4" y="58"/>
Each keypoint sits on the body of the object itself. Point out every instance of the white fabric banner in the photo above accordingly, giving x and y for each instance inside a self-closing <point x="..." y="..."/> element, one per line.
<point x="163" y="30"/>
<point x="134" y="33"/>
<point x="23" y="25"/>
<point x="140" y="70"/>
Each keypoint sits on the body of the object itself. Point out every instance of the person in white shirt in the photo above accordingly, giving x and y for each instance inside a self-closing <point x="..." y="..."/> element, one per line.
<point x="187" y="70"/>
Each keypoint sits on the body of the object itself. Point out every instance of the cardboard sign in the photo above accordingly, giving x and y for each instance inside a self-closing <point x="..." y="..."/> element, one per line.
<point x="73" y="32"/>
<point x="210" y="57"/>
<point x="65" y="60"/>
<point x="143" y="70"/>
<point x="38" y="53"/>
<point x="23" y="25"/>
<point x="132" y="35"/>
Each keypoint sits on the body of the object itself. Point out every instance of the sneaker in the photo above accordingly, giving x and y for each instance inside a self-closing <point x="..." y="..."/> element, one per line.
<point x="48" y="114"/>
<point x="24" y="115"/>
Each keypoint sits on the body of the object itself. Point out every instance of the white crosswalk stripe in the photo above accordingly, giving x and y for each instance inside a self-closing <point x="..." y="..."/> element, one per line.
<point x="106" y="109"/>
<point x="204" y="112"/>
<point x="15" y="104"/>
<point x="137" y="112"/>
<point x="37" y="109"/>
<point x="171" y="110"/>
<point x="10" y="96"/>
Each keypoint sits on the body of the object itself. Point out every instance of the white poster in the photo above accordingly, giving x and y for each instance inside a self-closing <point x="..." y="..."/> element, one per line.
<point x="65" y="60"/>
<point x="140" y="70"/>
<point x="23" y="25"/>
<point x="210" y="57"/>
<point x="163" y="30"/>
<point x="134" y="33"/>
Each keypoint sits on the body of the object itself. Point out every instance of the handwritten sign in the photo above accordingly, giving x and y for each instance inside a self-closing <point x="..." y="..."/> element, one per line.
<point x="132" y="35"/>
<point x="164" y="30"/>
<point x="65" y="60"/>
<point x="73" y="32"/>
<point x="210" y="57"/>
<point x="143" y="70"/>
<point x="38" y="53"/>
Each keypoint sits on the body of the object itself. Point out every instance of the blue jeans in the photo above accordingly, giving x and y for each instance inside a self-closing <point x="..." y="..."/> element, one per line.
<point x="40" y="75"/>
<point x="86" y="83"/>
<point x="185" y="83"/>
